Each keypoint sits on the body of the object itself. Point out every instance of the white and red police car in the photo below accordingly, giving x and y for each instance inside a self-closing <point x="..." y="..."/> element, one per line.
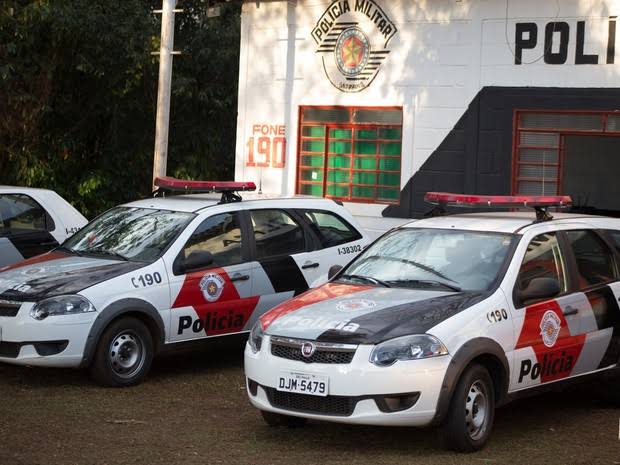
<point x="442" y="319"/>
<point x="33" y="221"/>
<point x="152" y="273"/>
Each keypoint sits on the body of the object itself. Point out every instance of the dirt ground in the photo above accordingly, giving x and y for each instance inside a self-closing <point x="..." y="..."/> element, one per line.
<point x="193" y="410"/>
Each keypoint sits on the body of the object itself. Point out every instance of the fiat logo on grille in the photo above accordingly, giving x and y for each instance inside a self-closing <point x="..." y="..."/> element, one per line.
<point x="307" y="349"/>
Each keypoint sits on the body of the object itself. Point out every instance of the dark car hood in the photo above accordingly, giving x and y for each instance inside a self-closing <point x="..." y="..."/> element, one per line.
<point x="57" y="273"/>
<point x="365" y="315"/>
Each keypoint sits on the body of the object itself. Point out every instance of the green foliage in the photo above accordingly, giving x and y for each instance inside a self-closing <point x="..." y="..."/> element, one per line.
<point x="78" y="91"/>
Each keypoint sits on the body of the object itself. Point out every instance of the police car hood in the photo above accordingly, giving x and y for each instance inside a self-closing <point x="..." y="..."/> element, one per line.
<point x="57" y="273"/>
<point x="343" y="313"/>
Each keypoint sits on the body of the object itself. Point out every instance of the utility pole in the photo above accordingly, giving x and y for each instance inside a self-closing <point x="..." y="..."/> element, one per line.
<point x="160" y="159"/>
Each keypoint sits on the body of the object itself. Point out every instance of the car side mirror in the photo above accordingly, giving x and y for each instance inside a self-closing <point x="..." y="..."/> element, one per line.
<point x="196" y="260"/>
<point x="333" y="271"/>
<point x="539" y="289"/>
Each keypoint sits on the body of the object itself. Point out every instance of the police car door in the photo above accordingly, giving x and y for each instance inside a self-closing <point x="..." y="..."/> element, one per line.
<point x="554" y="334"/>
<point x="24" y="228"/>
<point x="211" y="281"/>
<point x="336" y="243"/>
<point x="278" y="237"/>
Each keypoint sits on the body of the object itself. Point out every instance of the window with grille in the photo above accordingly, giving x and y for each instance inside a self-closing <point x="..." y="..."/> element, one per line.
<point x="350" y="153"/>
<point x="539" y="145"/>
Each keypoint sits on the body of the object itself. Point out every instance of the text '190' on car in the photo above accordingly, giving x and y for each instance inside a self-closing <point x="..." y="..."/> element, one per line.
<point x="155" y="273"/>
<point x="443" y="319"/>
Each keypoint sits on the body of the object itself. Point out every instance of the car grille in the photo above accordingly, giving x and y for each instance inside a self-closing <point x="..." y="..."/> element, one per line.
<point x="9" y="308"/>
<point x="290" y="349"/>
<point x="342" y="406"/>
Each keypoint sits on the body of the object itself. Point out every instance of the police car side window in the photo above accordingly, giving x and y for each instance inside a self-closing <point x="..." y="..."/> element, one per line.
<point x="595" y="264"/>
<point x="615" y="238"/>
<point x="20" y="213"/>
<point x="220" y="235"/>
<point x="276" y="233"/>
<point x="543" y="259"/>
<point x="331" y="229"/>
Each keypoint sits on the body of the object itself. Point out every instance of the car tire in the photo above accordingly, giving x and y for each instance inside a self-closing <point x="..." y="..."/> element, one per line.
<point x="277" y="419"/>
<point x="124" y="354"/>
<point x="470" y="417"/>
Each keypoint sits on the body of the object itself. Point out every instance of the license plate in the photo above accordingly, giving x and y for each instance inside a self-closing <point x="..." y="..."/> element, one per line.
<point x="303" y="383"/>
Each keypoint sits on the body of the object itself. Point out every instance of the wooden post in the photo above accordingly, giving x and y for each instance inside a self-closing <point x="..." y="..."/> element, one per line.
<point x="162" y="122"/>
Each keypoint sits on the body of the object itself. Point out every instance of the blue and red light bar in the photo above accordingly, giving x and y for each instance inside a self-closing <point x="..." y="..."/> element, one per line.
<point x="497" y="201"/>
<point x="181" y="185"/>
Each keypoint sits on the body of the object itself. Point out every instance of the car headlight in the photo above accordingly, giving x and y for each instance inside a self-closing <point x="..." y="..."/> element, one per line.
<point x="407" y="348"/>
<point x="61" y="305"/>
<point x="256" y="337"/>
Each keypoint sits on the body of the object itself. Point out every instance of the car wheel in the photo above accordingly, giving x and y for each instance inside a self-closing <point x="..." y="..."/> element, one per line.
<point x="472" y="411"/>
<point x="277" y="419"/>
<point x="124" y="354"/>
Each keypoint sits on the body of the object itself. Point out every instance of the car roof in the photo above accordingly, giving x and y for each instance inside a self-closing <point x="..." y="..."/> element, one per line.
<point x="21" y="190"/>
<point x="505" y="222"/>
<point x="195" y="203"/>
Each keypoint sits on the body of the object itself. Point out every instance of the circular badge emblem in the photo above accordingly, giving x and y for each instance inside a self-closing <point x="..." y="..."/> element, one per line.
<point x="352" y="51"/>
<point x="308" y="349"/>
<point x="550" y="326"/>
<point x="355" y="304"/>
<point x="34" y="271"/>
<point x="212" y="285"/>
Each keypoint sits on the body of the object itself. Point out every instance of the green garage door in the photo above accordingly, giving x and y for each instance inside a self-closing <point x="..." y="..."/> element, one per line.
<point x="351" y="154"/>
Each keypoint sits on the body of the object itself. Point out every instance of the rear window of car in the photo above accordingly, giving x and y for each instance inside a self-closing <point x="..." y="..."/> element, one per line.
<point x="276" y="233"/>
<point x="331" y="229"/>
<point x="615" y="238"/>
<point x="595" y="263"/>
<point x="21" y="213"/>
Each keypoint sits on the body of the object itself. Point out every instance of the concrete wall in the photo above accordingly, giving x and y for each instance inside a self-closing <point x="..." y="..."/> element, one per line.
<point x="442" y="56"/>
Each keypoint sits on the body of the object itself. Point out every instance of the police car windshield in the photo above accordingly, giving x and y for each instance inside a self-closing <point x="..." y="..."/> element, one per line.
<point x="141" y="234"/>
<point x="435" y="258"/>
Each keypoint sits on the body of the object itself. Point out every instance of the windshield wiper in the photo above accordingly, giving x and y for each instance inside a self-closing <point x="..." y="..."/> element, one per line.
<point x="365" y="278"/>
<point x="106" y="252"/>
<point x="430" y="282"/>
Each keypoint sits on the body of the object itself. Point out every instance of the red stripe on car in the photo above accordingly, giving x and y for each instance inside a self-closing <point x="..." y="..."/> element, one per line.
<point x="319" y="294"/>
<point x="228" y="314"/>
<point x="46" y="257"/>
<point x="556" y="354"/>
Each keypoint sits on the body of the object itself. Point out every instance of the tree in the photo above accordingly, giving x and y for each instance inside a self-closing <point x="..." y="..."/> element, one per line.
<point x="78" y="89"/>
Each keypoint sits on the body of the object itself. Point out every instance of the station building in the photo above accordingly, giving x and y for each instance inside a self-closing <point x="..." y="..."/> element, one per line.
<point x="375" y="102"/>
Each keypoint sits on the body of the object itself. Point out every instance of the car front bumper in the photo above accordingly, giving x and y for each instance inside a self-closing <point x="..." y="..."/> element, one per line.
<point x="57" y="341"/>
<point x="362" y="386"/>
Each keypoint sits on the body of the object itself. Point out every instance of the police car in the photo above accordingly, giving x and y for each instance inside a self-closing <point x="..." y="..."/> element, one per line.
<point x="33" y="221"/>
<point x="443" y="319"/>
<point x="166" y="270"/>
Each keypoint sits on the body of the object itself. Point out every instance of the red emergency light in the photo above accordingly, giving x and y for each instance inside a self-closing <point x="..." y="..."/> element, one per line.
<point x="540" y="203"/>
<point x="498" y="201"/>
<point x="226" y="188"/>
<point x="173" y="184"/>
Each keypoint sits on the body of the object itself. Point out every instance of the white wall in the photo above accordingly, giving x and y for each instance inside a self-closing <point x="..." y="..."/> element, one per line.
<point x="443" y="54"/>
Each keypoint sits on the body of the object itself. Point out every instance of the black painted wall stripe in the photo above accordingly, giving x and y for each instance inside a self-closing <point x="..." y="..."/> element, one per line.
<point x="476" y="155"/>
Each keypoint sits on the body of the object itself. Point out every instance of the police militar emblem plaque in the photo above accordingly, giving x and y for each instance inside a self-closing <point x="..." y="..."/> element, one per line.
<point x="212" y="285"/>
<point x="352" y="38"/>
<point x="550" y="326"/>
